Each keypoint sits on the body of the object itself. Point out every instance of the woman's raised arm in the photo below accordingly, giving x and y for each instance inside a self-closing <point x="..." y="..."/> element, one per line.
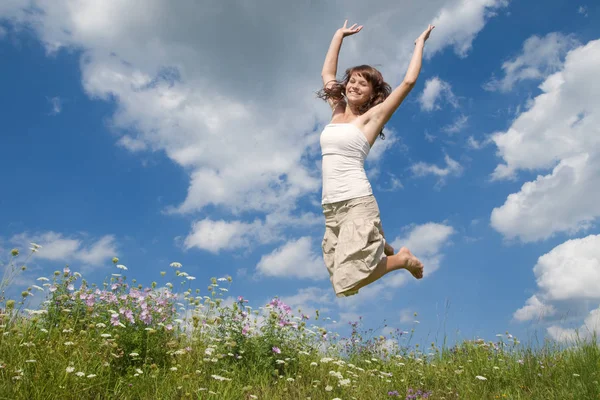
<point x="331" y="59"/>
<point x="384" y="111"/>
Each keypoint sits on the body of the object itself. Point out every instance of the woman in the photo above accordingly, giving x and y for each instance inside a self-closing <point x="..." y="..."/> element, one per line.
<point x="354" y="247"/>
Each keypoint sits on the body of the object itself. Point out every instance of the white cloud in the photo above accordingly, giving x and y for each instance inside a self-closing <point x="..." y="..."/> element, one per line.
<point x="458" y="23"/>
<point x="294" y="259"/>
<point x="540" y="57"/>
<point x="583" y="11"/>
<point x="132" y="144"/>
<point x="475" y="144"/>
<point x="567" y="200"/>
<point x="215" y="236"/>
<point x="533" y="309"/>
<point x="56" y="104"/>
<point x="571" y="270"/>
<point x="458" y="125"/>
<point x="453" y="168"/>
<point x="70" y="249"/>
<point x="567" y="280"/>
<point x="2" y="32"/>
<point x="561" y="131"/>
<point x="590" y="326"/>
<point x="426" y="242"/>
<point x="435" y="90"/>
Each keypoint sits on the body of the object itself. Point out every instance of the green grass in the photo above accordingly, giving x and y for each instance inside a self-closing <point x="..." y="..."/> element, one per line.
<point x="120" y="341"/>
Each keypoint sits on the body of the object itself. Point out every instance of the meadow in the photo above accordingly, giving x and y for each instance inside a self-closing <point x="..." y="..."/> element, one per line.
<point x="120" y="340"/>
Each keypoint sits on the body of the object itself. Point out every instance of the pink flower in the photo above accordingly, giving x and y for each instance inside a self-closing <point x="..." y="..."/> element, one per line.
<point x="276" y="350"/>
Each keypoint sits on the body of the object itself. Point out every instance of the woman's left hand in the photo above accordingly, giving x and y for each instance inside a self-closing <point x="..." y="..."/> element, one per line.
<point x="425" y="35"/>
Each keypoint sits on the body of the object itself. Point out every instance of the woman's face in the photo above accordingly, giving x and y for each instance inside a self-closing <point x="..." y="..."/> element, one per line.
<point x="358" y="90"/>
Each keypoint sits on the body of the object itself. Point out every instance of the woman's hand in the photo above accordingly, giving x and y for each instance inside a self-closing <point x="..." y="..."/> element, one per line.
<point x="425" y="35"/>
<point x="345" y="31"/>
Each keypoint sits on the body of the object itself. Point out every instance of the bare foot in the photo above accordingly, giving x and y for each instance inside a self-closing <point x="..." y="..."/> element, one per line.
<point x="412" y="263"/>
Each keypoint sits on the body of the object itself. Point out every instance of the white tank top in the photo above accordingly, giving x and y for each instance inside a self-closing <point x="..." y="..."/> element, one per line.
<point x="344" y="149"/>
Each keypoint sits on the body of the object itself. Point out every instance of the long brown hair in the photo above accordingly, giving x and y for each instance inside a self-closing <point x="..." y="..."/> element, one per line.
<point x="381" y="89"/>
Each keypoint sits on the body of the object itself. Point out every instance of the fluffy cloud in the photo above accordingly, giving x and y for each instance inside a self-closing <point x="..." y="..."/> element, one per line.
<point x="217" y="235"/>
<point x="452" y="168"/>
<point x="58" y="247"/>
<point x="426" y="242"/>
<point x="590" y="326"/>
<point x="533" y="309"/>
<point x="458" y="125"/>
<point x="214" y="236"/>
<point x="567" y="279"/>
<point x="540" y="57"/>
<point x="294" y="259"/>
<point x="559" y="131"/>
<point x="435" y="90"/>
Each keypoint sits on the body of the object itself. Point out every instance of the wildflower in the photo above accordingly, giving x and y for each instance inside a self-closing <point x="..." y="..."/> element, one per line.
<point x="134" y="354"/>
<point x="481" y="378"/>
<point x="106" y="335"/>
<point x="30" y="361"/>
<point x="394" y="393"/>
<point x="173" y="368"/>
<point x="115" y="260"/>
<point x="576" y="375"/>
<point x="91" y="376"/>
<point x="70" y="369"/>
<point x="328" y="388"/>
<point x="175" y="265"/>
<point x="120" y="266"/>
<point x="80" y="373"/>
<point x="69" y="343"/>
<point x="313" y="364"/>
<point x="220" y="378"/>
<point x="14" y="252"/>
<point x="344" y="382"/>
<point x="43" y="279"/>
<point x="191" y="278"/>
<point x="276" y="350"/>
<point x="290" y="379"/>
<point x="66" y="270"/>
<point x="139" y="371"/>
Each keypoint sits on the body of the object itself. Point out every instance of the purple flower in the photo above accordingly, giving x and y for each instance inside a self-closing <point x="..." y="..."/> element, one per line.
<point x="394" y="393"/>
<point x="276" y="350"/>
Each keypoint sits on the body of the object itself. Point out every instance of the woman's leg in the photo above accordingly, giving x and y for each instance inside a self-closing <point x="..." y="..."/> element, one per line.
<point x="404" y="259"/>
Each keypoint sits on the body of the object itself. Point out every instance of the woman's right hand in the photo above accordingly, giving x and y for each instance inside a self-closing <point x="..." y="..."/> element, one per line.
<point x="345" y="31"/>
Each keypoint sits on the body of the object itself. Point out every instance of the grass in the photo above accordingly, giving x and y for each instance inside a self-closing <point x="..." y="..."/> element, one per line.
<point x="121" y="341"/>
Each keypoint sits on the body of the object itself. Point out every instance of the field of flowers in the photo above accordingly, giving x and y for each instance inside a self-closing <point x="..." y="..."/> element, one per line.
<point x="119" y="340"/>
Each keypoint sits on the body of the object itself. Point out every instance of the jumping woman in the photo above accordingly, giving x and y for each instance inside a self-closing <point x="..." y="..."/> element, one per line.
<point x="354" y="247"/>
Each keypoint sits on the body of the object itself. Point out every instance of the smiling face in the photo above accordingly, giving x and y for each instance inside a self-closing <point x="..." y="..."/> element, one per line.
<point x="358" y="89"/>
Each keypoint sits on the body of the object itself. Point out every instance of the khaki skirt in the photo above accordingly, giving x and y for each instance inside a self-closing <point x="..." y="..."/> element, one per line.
<point x="353" y="242"/>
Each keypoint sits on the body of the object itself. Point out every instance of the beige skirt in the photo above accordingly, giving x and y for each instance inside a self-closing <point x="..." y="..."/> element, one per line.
<point x="353" y="242"/>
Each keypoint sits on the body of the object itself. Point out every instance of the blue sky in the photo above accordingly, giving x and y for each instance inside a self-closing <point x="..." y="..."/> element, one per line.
<point x="141" y="134"/>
